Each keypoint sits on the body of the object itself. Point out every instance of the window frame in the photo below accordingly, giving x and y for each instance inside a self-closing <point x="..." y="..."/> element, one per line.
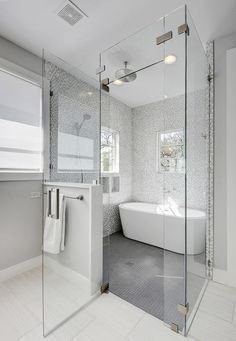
<point x="158" y="144"/>
<point x="35" y="79"/>
<point x="116" y="160"/>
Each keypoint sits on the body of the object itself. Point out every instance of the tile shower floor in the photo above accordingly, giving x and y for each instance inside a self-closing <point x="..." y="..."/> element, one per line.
<point x="150" y="278"/>
<point x="109" y="318"/>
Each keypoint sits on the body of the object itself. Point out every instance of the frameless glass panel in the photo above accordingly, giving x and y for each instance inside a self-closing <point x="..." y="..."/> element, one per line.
<point x="197" y="168"/>
<point x="133" y="193"/>
<point x="72" y="240"/>
<point x="173" y="164"/>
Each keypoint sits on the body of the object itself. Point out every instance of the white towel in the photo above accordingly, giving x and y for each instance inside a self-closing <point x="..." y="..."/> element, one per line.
<point x="54" y="229"/>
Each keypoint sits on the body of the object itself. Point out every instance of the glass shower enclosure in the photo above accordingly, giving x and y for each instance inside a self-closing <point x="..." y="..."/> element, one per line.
<point x="154" y="97"/>
<point x="72" y="220"/>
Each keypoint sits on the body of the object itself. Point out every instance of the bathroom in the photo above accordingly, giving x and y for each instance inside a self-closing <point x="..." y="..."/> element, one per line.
<point x="113" y="193"/>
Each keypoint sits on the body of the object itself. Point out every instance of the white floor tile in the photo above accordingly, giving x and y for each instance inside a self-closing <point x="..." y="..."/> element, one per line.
<point x="218" y="306"/>
<point x="56" y="308"/>
<point x="15" y="319"/>
<point x="222" y="290"/>
<point x="74" y="326"/>
<point x="37" y="335"/>
<point x="151" y="329"/>
<point x="207" y="327"/>
<point x="116" y="313"/>
<point x="98" y="331"/>
<point x="3" y="290"/>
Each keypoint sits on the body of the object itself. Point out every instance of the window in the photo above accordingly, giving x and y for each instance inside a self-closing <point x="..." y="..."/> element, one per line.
<point x="75" y="153"/>
<point x="20" y="124"/>
<point x="109" y="150"/>
<point x="170" y="148"/>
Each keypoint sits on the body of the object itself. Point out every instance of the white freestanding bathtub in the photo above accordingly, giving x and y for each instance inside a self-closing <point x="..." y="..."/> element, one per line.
<point x="164" y="227"/>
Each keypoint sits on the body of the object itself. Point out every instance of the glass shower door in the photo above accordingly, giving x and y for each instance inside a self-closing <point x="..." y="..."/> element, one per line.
<point x="197" y="150"/>
<point x="173" y="166"/>
<point x="185" y="164"/>
<point x="72" y="238"/>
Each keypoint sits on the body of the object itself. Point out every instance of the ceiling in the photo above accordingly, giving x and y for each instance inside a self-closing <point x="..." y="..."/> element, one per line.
<point x="33" y="24"/>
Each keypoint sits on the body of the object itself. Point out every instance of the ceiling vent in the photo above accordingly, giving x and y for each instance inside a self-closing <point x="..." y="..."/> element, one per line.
<point x="71" y="13"/>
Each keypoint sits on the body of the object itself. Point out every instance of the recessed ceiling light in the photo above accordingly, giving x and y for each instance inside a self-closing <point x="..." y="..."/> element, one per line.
<point x="89" y="93"/>
<point x="171" y="59"/>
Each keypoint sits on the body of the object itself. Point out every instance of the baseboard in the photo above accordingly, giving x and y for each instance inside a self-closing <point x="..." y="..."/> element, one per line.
<point x="20" y="268"/>
<point x="223" y="277"/>
<point x="220" y="276"/>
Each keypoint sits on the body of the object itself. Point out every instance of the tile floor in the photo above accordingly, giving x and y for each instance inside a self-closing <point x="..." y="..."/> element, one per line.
<point x="110" y="318"/>
<point x="151" y="278"/>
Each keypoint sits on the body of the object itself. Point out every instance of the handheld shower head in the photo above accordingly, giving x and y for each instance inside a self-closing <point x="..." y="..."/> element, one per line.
<point x="86" y="117"/>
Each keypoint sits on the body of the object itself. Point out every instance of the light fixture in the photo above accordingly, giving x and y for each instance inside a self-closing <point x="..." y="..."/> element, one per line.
<point x="125" y="75"/>
<point x="118" y="82"/>
<point x="171" y="59"/>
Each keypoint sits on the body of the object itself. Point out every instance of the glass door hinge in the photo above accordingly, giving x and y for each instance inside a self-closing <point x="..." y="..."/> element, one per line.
<point x="104" y="84"/>
<point x="210" y="78"/>
<point x="104" y="288"/>
<point x="174" y="327"/>
<point x="100" y="69"/>
<point x="183" y="309"/>
<point x="164" y="37"/>
<point x="183" y="29"/>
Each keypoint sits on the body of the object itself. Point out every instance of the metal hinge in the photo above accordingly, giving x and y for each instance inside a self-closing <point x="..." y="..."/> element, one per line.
<point x="100" y="69"/>
<point x="51" y="93"/>
<point x="183" y="29"/>
<point x="104" y="288"/>
<point x="210" y="77"/>
<point x="174" y="327"/>
<point x="183" y="309"/>
<point x="104" y="84"/>
<point x="51" y="166"/>
<point x="164" y="37"/>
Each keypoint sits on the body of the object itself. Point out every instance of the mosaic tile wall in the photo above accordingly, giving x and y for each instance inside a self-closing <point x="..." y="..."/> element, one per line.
<point x="71" y="99"/>
<point x="149" y="184"/>
<point x="210" y="229"/>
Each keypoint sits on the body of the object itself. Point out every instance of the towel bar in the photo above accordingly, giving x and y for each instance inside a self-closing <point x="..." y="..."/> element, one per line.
<point x="79" y="197"/>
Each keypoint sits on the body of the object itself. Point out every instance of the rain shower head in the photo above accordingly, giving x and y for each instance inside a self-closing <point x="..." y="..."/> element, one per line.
<point x="125" y="75"/>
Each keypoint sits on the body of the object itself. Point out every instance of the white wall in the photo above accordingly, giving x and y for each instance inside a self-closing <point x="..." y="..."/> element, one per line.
<point x="20" y="222"/>
<point x="20" y="215"/>
<point x="220" y="197"/>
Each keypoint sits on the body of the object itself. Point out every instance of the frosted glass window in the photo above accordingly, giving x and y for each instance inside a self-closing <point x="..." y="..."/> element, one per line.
<point x="20" y="124"/>
<point x="75" y="153"/>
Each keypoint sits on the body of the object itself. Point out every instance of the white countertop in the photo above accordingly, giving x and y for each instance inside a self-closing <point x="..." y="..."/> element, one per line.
<point x="69" y="184"/>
